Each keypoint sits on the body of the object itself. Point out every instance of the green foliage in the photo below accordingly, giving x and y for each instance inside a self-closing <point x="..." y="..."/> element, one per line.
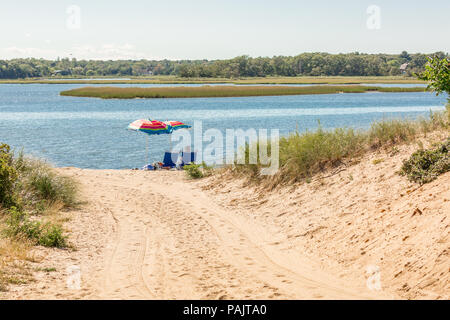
<point x="8" y="178"/>
<point x="221" y="91"/>
<point x="19" y="225"/>
<point x="392" y="131"/>
<point x="426" y="165"/>
<point x="31" y="186"/>
<point x="193" y="171"/>
<point x="39" y="185"/>
<point x="51" y="187"/>
<point x="437" y="73"/>
<point x="52" y="236"/>
<point x="305" y="64"/>
<point x="304" y="154"/>
<point x="197" y="171"/>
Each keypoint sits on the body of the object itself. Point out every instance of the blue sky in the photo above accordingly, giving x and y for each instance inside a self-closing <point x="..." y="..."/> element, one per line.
<point x="214" y="29"/>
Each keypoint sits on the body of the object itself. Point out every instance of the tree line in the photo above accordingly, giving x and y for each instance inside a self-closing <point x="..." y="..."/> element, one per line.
<point x="305" y="64"/>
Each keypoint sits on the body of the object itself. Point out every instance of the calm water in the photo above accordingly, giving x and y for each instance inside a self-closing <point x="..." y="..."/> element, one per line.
<point x="91" y="133"/>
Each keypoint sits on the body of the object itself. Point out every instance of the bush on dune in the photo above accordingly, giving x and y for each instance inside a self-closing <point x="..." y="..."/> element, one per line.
<point x="8" y="177"/>
<point x="426" y="165"/>
<point x="29" y="187"/>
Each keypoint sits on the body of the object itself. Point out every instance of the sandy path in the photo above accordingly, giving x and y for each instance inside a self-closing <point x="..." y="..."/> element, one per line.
<point x="169" y="240"/>
<point x="156" y="235"/>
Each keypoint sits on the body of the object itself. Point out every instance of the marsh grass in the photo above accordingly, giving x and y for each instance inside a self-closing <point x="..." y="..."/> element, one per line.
<point x="223" y="91"/>
<point x="304" y="154"/>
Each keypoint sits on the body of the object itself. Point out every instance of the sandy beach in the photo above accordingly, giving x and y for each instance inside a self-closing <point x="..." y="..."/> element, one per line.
<point x="359" y="232"/>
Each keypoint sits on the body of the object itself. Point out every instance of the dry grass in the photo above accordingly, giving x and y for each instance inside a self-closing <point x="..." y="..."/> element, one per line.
<point x="14" y="263"/>
<point x="222" y="91"/>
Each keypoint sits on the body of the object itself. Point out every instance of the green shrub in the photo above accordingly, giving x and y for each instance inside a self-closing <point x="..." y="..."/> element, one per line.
<point x="426" y="165"/>
<point x="52" y="236"/>
<point x="8" y="178"/>
<point x="29" y="186"/>
<point x="193" y="171"/>
<point x="19" y="225"/>
<point x="197" y="171"/>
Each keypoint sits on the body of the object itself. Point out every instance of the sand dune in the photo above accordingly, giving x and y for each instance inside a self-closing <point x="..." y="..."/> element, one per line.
<point x="362" y="233"/>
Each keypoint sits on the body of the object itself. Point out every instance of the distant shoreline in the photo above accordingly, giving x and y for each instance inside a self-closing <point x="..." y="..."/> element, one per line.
<point x="260" y="80"/>
<point x="223" y="91"/>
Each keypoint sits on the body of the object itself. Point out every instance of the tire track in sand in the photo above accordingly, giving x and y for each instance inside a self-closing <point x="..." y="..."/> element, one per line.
<point x="173" y="242"/>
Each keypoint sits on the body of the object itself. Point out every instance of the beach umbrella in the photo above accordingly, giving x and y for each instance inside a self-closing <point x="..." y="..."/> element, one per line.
<point x="155" y="127"/>
<point x="176" y="125"/>
<point x="150" y="127"/>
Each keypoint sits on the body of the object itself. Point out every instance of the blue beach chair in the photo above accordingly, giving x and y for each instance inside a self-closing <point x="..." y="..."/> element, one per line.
<point x="170" y="159"/>
<point x="188" y="157"/>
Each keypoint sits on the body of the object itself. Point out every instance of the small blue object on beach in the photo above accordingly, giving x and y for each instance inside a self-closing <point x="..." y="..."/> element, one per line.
<point x="148" y="167"/>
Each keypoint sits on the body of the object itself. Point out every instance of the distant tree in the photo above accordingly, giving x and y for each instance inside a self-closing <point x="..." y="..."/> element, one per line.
<point x="305" y="64"/>
<point x="405" y="55"/>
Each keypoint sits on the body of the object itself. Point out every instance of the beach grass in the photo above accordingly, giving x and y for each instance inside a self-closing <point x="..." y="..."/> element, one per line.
<point x="302" y="155"/>
<point x="223" y="91"/>
<point x="32" y="195"/>
<point x="31" y="192"/>
<point x="246" y="80"/>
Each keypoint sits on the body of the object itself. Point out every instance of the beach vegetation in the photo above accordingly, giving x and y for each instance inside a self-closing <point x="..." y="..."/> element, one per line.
<point x="425" y="165"/>
<point x="197" y="171"/>
<point x="304" y="154"/>
<point x="31" y="197"/>
<point x="30" y="189"/>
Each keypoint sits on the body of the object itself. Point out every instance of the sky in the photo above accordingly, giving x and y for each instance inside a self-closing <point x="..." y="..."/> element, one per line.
<point x="211" y="29"/>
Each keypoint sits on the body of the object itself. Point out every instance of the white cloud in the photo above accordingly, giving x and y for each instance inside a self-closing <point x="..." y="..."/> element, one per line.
<point x="108" y="51"/>
<point x="16" y="52"/>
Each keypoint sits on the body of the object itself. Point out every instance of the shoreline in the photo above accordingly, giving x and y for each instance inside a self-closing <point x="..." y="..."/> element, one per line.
<point x="349" y="80"/>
